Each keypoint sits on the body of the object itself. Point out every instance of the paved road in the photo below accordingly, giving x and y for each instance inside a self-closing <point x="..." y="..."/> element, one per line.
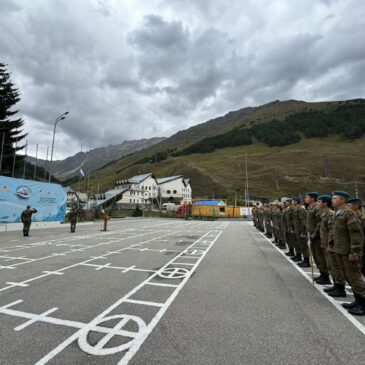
<point x="164" y="292"/>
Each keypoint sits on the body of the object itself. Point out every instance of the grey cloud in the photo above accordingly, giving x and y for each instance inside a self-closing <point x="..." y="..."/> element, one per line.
<point x="129" y="70"/>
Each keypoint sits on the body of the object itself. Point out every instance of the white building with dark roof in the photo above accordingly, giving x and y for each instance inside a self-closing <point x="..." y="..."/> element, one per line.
<point x="140" y="189"/>
<point x="175" y="188"/>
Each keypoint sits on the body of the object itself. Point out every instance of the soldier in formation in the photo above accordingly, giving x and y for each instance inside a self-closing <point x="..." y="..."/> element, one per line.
<point x="329" y="227"/>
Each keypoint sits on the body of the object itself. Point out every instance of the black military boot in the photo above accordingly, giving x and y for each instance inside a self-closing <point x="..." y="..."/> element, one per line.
<point x="331" y="288"/>
<point x="282" y="245"/>
<point x="290" y="253"/>
<point x="359" y="309"/>
<point x="304" y="263"/>
<point x="297" y="258"/>
<point x="339" y="292"/>
<point x="352" y="304"/>
<point x="323" y="280"/>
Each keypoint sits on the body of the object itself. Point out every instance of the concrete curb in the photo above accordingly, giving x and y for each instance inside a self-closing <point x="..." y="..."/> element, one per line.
<point x="9" y="227"/>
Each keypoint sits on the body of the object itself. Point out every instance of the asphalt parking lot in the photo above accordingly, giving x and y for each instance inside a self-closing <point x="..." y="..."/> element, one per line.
<point x="153" y="291"/>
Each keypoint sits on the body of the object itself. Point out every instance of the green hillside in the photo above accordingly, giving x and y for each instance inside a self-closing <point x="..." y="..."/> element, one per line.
<point x="321" y="163"/>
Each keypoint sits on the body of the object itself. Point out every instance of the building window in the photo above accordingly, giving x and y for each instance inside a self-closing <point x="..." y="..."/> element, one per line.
<point x="168" y="191"/>
<point x="149" y="188"/>
<point x="175" y="191"/>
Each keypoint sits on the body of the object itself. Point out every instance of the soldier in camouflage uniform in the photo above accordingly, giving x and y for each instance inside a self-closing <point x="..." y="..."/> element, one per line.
<point x="313" y="229"/>
<point x="261" y="219"/>
<point x="291" y="229"/>
<point x="286" y="229"/>
<point x="300" y="218"/>
<point x="26" y="218"/>
<point x="274" y="224"/>
<point x="255" y="217"/>
<point x="356" y="205"/>
<point x="347" y="239"/>
<point x="267" y="220"/>
<point x="288" y="223"/>
<point x="280" y="229"/>
<point x="325" y="204"/>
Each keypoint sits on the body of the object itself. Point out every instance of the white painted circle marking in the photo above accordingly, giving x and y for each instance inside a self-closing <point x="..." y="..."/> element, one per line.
<point x="98" y="348"/>
<point x="174" y="273"/>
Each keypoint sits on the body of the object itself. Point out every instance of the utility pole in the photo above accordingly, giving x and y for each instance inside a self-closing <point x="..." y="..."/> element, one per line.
<point x="247" y="195"/>
<point x="45" y="165"/>
<point x="25" y="158"/>
<point x="2" y="151"/>
<point x="356" y="192"/>
<point x="14" y="159"/>
<point x="36" y="161"/>
<point x="58" y="119"/>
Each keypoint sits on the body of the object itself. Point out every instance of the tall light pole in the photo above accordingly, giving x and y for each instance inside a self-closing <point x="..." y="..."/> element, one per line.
<point x="247" y="195"/>
<point x="58" y="119"/>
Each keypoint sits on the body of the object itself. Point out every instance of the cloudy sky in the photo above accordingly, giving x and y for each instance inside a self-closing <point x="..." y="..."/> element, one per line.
<point x="131" y="69"/>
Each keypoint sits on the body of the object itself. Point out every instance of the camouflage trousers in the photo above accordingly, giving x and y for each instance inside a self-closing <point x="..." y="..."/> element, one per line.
<point x="302" y="244"/>
<point x="334" y="268"/>
<point x="352" y="272"/>
<point x="319" y="256"/>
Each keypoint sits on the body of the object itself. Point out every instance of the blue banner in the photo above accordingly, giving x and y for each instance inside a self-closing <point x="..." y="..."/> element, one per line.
<point x="16" y="194"/>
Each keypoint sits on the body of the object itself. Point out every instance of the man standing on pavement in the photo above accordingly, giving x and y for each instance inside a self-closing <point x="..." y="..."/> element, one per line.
<point x="72" y="216"/>
<point x="313" y="229"/>
<point x="347" y="239"/>
<point x="339" y="280"/>
<point x="300" y="218"/>
<point x="26" y="218"/>
<point x="267" y="219"/>
<point x="356" y="205"/>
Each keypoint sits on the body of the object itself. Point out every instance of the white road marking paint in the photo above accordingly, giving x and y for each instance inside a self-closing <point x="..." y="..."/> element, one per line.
<point x="333" y="301"/>
<point x="57" y="321"/>
<point x="142" y="334"/>
<point x="16" y="284"/>
<point x="99" y="348"/>
<point x="120" y="268"/>
<point x="86" y="261"/>
<point x="143" y="302"/>
<point x="183" y="263"/>
<point x="53" y="272"/>
<point x="173" y="273"/>
<point x="7" y="267"/>
<point x="36" y="318"/>
<point x="162" y="284"/>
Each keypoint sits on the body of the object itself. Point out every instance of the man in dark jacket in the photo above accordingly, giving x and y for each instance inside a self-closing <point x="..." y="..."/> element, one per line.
<point x="26" y="218"/>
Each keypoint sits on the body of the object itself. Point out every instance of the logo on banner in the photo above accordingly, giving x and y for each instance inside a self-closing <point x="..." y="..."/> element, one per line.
<point x="24" y="192"/>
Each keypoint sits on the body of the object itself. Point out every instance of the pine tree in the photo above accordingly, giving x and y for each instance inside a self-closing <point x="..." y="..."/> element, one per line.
<point x="10" y="126"/>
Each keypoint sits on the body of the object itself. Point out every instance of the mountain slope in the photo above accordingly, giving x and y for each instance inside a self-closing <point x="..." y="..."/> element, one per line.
<point x="316" y="163"/>
<point x="94" y="159"/>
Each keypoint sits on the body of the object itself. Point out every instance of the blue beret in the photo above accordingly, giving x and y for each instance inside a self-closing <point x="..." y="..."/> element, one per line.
<point x="297" y="199"/>
<point x="341" y="193"/>
<point x="313" y="194"/>
<point x="355" y="201"/>
<point x="325" y="198"/>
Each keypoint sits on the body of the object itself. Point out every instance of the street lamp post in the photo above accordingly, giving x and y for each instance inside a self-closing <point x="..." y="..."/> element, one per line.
<point x="58" y="119"/>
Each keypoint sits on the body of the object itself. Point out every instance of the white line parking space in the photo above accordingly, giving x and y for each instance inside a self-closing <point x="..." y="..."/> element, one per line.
<point x="134" y="272"/>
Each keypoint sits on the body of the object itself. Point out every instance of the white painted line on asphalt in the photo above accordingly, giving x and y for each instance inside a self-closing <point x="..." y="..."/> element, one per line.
<point x="162" y="284"/>
<point x="53" y="272"/>
<point x="335" y="303"/>
<point x="143" y="334"/>
<point x="36" y="318"/>
<point x="16" y="284"/>
<point x="74" y="324"/>
<point x="86" y="261"/>
<point x="7" y="267"/>
<point x="143" y="302"/>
